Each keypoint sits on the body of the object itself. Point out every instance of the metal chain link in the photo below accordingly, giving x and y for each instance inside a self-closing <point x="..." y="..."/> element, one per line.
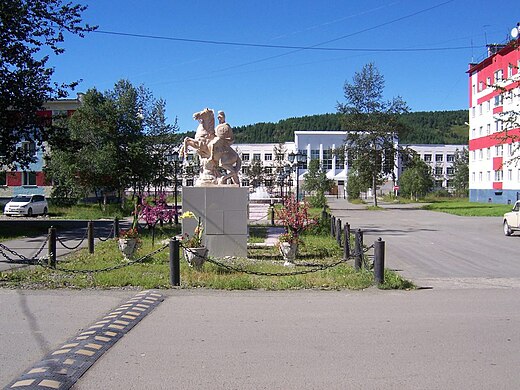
<point x="266" y="217"/>
<point x="70" y="247"/>
<point x="107" y="269"/>
<point x="260" y="273"/>
<point x="109" y="235"/>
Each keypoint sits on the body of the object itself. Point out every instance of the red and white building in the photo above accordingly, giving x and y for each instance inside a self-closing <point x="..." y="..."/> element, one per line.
<point x="32" y="180"/>
<point x="494" y="95"/>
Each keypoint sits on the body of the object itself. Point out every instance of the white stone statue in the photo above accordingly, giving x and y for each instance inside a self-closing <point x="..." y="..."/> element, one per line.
<point x="213" y="145"/>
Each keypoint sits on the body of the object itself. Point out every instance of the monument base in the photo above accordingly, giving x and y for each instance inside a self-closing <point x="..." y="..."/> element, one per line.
<point x="223" y="212"/>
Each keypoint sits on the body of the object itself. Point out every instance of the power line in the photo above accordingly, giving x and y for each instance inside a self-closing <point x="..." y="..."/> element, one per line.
<point x="261" y="45"/>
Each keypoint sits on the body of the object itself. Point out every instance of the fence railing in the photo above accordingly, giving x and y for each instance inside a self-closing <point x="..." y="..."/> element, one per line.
<point x="341" y="232"/>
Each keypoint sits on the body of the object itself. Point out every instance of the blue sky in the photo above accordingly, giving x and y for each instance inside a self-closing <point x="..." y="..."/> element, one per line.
<point x="265" y="84"/>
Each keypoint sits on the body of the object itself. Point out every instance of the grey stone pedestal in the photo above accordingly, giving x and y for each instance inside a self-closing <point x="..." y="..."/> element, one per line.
<point x="223" y="210"/>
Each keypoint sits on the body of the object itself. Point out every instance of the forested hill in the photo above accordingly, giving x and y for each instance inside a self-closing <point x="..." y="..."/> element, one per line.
<point x="425" y="127"/>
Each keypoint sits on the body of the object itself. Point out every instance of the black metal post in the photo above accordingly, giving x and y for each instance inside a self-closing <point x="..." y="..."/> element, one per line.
<point x="175" y="264"/>
<point x="175" y="172"/>
<point x="358" y="250"/>
<point x="297" y="181"/>
<point x="90" y="236"/>
<point x="379" y="261"/>
<point x="332" y="225"/>
<point x="346" y="246"/>
<point x="52" y="247"/>
<point x="271" y="211"/>
<point x="338" y="231"/>
<point x="116" y="227"/>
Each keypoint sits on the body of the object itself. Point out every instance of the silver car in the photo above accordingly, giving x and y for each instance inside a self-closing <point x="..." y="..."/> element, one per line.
<point x="28" y="205"/>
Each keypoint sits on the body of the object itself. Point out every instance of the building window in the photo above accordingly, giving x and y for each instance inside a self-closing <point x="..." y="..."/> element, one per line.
<point x="438" y="183"/>
<point x="488" y="153"/>
<point x="480" y="176"/>
<point x="499" y="150"/>
<point x="315" y="154"/>
<point x="488" y="129"/>
<point x="327" y="159"/>
<point x="473" y="176"/>
<point x="449" y="171"/>
<point x="29" y="148"/>
<point x="480" y="109"/>
<point x="29" y="178"/>
<point x="488" y="175"/>
<point x="3" y="179"/>
<point x="498" y="175"/>
<point x="488" y="106"/>
<point x="438" y="170"/>
<point x="189" y="182"/>
<point x="245" y="156"/>
<point x="499" y="75"/>
<point x="439" y="158"/>
<point x="245" y="183"/>
<point x="450" y="157"/>
<point x="245" y="169"/>
<point x="268" y="157"/>
<point x="268" y="170"/>
<point x="498" y="100"/>
<point x="256" y="156"/>
<point x="428" y="157"/>
<point x="480" y="131"/>
<point x="510" y="175"/>
<point x="268" y="182"/>
<point x="480" y="154"/>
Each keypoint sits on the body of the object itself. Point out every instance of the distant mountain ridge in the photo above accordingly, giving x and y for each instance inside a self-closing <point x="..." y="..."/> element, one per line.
<point x="425" y="127"/>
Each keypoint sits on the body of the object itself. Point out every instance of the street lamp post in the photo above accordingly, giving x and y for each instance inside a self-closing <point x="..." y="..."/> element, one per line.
<point x="175" y="158"/>
<point x="297" y="158"/>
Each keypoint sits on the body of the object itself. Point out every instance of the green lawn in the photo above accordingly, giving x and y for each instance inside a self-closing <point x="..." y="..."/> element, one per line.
<point x="154" y="271"/>
<point x="464" y="207"/>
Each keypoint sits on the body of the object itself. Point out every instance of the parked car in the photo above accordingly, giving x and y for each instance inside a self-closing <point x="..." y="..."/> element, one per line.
<point x="28" y="205"/>
<point x="512" y="220"/>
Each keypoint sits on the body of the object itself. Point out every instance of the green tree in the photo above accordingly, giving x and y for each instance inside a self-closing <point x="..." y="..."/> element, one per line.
<point x="372" y="124"/>
<point x="316" y="181"/>
<point x="353" y="185"/>
<point x="256" y="173"/>
<point x="109" y="142"/>
<point x="461" y="172"/>
<point x="29" y="32"/>
<point x="417" y="179"/>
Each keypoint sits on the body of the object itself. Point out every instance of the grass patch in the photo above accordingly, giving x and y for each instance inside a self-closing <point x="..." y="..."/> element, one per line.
<point x="154" y="271"/>
<point x="464" y="207"/>
<point x="90" y="211"/>
<point x="257" y="234"/>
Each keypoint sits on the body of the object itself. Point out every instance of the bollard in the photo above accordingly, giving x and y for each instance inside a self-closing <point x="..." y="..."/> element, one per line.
<point x="324" y="214"/>
<point x="271" y="210"/>
<point x="358" y="250"/>
<point x="346" y="246"/>
<point x="379" y="261"/>
<point x="116" y="227"/>
<point x="175" y="265"/>
<point x="90" y="236"/>
<point x="333" y="226"/>
<point x="338" y="231"/>
<point x="52" y="247"/>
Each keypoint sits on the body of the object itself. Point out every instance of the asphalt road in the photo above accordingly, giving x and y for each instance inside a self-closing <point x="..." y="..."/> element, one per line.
<point x="438" y="249"/>
<point x="462" y="333"/>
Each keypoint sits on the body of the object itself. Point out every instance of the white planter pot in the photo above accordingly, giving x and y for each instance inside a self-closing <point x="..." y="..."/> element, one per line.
<point x="196" y="256"/>
<point x="127" y="247"/>
<point x="288" y="251"/>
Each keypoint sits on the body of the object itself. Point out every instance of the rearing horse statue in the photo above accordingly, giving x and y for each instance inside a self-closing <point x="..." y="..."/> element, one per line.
<point x="213" y="150"/>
